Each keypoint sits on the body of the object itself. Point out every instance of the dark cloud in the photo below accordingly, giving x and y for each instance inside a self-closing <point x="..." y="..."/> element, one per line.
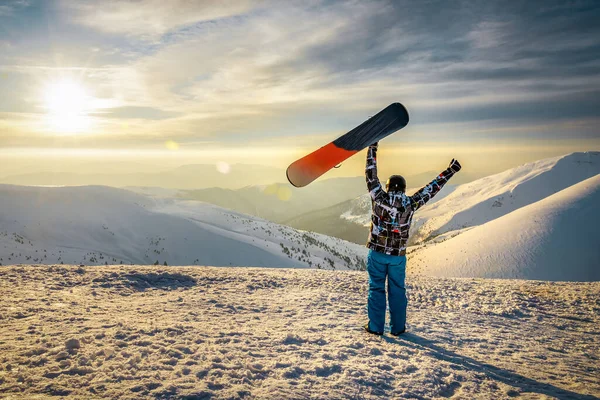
<point x="449" y="31"/>
<point x="547" y="52"/>
<point x="551" y="109"/>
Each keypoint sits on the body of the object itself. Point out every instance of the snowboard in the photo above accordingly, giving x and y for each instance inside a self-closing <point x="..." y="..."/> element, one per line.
<point x="308" y="168"/>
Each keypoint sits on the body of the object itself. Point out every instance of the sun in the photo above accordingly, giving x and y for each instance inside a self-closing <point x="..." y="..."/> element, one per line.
<point x="67" y="104"/>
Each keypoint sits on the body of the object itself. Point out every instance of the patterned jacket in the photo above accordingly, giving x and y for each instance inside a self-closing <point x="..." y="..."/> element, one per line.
<point x="392" y="212"/>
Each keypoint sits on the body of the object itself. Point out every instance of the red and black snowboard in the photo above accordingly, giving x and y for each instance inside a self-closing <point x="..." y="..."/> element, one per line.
<point x="305" y="170"/>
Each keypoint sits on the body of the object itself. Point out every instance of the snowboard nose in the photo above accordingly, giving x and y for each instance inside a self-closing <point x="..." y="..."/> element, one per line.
<point x="305" y="170"/>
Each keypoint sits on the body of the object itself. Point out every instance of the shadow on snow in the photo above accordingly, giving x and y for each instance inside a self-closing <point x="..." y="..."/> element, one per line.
<point x="507" y="377"/>
<point x="145" y="281"/>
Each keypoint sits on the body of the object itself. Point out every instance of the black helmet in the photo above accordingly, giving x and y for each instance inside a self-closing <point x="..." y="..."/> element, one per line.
<point x="396" y="183"/>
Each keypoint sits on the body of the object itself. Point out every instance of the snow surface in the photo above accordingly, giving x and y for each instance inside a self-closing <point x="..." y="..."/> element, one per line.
<point x="246" y="333"/>
<point x="557" y="238"/>
<point x="94" y="225"/>
<point x="486" y="199"/>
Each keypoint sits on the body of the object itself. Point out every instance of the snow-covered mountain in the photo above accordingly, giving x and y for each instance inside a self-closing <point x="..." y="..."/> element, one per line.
<point x="500" y="226"/>
<point x="100" y="225"/>
<point x="486" y="199"/>
<point x="557" y="238"/>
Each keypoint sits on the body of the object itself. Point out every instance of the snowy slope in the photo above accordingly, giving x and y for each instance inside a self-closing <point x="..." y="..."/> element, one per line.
<point x="139" y="332"/>
<point x="557" y="238"/>
<point x="98" y="225"/>
<point x="486" y="199"/>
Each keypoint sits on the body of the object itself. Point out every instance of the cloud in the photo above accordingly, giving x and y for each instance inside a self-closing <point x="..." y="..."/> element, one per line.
<point x="137" y="113"/>
<point x="9" y="7"/>
<point x="351" y="58"/>
<point x="241" y="71"/>
<point x="152" y="18"/>
<point x="266" y="69"/>
<point x="5" y="10"/>
<point x="488" y="34"/>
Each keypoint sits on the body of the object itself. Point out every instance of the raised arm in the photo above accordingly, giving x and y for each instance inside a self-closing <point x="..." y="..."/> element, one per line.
<point x="373" y="184"/>
<point x="426" y="193"/>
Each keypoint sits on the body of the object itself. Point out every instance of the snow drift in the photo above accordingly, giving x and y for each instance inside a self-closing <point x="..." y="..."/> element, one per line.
<point x="557" y="238"/>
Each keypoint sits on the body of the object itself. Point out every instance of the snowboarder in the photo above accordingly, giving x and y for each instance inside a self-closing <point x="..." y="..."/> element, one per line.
<point x="392" y="212"/>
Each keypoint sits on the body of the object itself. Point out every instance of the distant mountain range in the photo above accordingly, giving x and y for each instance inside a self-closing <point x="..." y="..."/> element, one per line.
<point x="280" y="201"/>
<point x="283" y="203"/>
<point x="185" y="177"/>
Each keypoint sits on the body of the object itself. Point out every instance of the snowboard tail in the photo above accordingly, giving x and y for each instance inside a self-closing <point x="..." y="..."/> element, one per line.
<point x="308" y="168"/>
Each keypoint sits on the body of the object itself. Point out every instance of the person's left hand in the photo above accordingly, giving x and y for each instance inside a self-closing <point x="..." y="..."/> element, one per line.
<point x="455" y="165"/>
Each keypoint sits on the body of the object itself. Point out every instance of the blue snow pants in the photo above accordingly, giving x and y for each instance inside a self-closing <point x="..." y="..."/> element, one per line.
<point x="381" y="266"/>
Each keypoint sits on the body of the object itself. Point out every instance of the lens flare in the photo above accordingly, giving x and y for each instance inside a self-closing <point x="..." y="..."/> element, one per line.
<point x="223" y="167"/>
<point x="284" y="193"/>
<point x="172" y="145"/>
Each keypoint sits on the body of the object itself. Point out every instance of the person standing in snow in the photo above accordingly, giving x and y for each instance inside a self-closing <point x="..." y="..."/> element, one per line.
<point x="392" y="212"/>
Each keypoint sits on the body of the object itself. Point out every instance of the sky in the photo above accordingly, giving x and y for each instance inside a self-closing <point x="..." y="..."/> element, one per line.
<point x="493" y="83"/>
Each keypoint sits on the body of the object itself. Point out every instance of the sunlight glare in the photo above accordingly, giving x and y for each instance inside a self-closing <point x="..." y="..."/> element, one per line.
<point x="68" y="105"/>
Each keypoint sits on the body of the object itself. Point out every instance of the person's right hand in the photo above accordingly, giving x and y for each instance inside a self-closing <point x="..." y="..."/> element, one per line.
<point x="455" y="165"/>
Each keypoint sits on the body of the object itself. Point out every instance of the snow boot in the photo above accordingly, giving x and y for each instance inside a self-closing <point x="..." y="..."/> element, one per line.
<point x="398" y="333"/>
<point x="372" y="332"/>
